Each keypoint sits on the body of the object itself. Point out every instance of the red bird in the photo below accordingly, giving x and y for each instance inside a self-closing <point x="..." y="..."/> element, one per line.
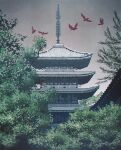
<point x="86" y="18"/>
<point x="101" y="22"/>
<point x="73" y="27"/>
<point x="43" y="33"/>
<point x="33" y="30"/>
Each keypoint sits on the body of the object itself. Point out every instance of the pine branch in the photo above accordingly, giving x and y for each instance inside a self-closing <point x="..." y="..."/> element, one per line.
<point x="117" y="22"/>
<point x="110" y="54"/>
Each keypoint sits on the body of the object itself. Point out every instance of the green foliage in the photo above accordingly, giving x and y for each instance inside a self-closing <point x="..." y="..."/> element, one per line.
<point x="9" y="41"/>
<point x="15" y="73"/>
<point x="57" y="140"/>
<point x="87" y="130"/>
<point x="86" y="103"/>
<point x="39" y="45"/>
<point x="110" y="54"/>
<point x="22" y="111"/>
<point x="95" y="130"/>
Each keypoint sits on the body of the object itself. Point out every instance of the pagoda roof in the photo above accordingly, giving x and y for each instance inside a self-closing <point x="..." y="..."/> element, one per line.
<point x="81" y="93"/>
<point x="81" y="77"/>
<point x="78" y="90"/>
<point x="73" y="90"/>
<point x="60" y="51"/>
<point x="64" y="74"/>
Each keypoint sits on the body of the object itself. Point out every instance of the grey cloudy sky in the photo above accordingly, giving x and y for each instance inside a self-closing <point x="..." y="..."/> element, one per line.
<point x="41" y="15"/>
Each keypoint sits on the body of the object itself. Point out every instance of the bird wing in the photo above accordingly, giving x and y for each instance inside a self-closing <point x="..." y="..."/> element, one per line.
<point x="40" y="32"/>
<point x="33" y="30"/>
<point x="83" y="16"/>
<point x="70" y="26"/>
<point x="45" y="32"/>
<point x="76" y="25"/>
<point x="101" y="20"/>
<point x="89" y="20"/>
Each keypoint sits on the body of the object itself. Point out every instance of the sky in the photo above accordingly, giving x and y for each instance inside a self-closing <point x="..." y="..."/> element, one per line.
<point x="42" y="15"/>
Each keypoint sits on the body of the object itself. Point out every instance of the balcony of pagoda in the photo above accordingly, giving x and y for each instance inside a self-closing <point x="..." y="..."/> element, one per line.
<point x="79" y="77"/>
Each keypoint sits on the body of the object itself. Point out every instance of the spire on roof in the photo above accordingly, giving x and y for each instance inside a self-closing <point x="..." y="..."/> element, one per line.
<point x="58" y="30"/>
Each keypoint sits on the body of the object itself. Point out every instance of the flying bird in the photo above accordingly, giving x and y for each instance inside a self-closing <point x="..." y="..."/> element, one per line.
<point x="85" y="18"/>
<point x="101" y="22"/>
<point x="73" y="27"/>
<point x="33" y="30"/>
<point x="42" y="33"/>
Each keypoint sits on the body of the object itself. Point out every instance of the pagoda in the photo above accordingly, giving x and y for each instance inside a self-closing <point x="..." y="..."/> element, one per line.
<point x="60" y="68"/>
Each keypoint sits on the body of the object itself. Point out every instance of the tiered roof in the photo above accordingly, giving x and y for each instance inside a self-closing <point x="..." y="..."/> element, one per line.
<point x="60" y="51"/>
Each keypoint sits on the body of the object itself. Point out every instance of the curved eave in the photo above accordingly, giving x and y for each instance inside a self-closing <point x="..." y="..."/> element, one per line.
<point x="60" y="51"/>
<point x="78" y="77"/>
<point x="78" y="90"/>
<point x="75" y="62"/>
<point x="81" y="93"/>
<point x="64" y="74"/>
<point x="85" y="56"/>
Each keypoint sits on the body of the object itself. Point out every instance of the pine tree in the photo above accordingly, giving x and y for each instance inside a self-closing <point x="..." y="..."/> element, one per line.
<point x="110" y="54"/>
<point x="23" y="111"/>
<point x="10" y="41"/>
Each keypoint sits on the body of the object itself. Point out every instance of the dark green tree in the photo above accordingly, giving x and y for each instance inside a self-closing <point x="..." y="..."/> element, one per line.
<point x="22" y="110"/>
<point x="8" y="39"/>
<point x="110" y="54"/>
<point x="15" y="73"/>
<point x="90" y="130"/>
<point x="23" y="114"/>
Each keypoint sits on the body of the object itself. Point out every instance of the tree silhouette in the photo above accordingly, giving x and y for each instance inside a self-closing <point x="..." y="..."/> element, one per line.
<point x="110" y="54"/>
